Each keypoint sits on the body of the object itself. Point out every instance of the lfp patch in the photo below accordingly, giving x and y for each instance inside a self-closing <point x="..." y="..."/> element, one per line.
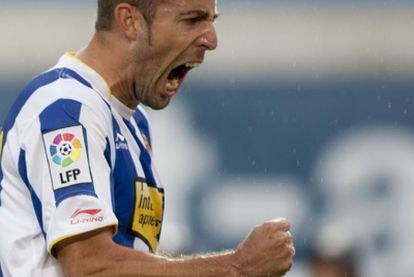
<point x="67" y="157"/>
<point x="65" y="149"/>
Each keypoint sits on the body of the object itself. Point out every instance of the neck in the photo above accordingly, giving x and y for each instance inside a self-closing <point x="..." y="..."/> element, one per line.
<point x="107" y="57"/>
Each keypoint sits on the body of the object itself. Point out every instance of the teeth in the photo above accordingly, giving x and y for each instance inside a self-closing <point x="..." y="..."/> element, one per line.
<point x="172" y="84"/>
<point x="192" y="65"/>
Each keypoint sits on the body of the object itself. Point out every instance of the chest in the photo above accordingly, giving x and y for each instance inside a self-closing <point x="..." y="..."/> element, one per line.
<point x="138" y="199"/>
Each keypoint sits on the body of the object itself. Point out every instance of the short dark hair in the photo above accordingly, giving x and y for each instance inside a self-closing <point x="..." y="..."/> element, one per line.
<point x="106" y="11"/>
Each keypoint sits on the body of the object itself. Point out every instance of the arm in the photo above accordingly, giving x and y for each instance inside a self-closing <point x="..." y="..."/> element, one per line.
<point x="95" y="254"/>
<point x="267" y="251"/>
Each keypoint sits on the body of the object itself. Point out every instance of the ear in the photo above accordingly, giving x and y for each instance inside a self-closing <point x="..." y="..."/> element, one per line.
<point x="129" y="20"/>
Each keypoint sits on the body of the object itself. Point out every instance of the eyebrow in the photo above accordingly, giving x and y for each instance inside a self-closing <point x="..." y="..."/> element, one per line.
<point x="200" y="14"/>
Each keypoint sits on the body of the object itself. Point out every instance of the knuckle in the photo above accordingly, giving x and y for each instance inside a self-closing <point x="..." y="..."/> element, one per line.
<point x="257" y="228"/>
<point x="278" y="239"/>
<point x="292" y="251"/>
<point x="281" y="223"/>
<point x="289" y="239"/>
<point x="270" y="227"/>
<point x="263" y="225"/>
<point x="279" y="219"/>
<point x="288" y="251"/>
<point x="284" y="236"/>
<point x="286" y="224"/>
<point x="269" y="223"/>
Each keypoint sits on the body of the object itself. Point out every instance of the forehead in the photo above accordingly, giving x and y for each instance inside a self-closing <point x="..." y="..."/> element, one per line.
<point x="186" y="5"/>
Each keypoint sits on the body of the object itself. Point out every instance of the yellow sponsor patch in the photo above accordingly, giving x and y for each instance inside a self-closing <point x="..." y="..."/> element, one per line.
<point x="1" y="142"/>
<point x="148" y="213"/>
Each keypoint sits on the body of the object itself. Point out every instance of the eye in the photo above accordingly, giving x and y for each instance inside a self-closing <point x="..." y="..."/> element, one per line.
<point x="193" y="20"/>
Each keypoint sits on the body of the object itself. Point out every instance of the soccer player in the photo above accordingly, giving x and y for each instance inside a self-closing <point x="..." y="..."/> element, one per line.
<point x="79" y="193"/>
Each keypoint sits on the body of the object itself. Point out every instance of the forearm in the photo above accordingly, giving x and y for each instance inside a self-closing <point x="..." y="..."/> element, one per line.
<point x="139" y="264"/>
<point x="267" y="251"/>
<point x="98" y="255"/>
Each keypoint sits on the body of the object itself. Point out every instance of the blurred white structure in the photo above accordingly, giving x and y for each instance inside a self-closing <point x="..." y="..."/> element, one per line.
<point x="182" y="161"/>
<point x="277" y="40"/>
<point x="368" y="175"/>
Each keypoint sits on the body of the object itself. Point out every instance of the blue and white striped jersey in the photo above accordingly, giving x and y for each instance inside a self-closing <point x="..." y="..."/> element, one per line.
<point x="73" y="159"/>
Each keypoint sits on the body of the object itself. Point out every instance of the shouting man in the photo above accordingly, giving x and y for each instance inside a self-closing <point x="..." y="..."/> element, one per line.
<point x="79" y="193"/>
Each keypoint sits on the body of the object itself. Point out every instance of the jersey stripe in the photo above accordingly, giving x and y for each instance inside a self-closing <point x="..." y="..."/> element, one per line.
<point x="61" y="114"/>
<point x="1" y="171"/>
<point x="107" y="155"/>
<point x="37" y="205"/>
<point x="124" y="172"/>
<point x="143" y="125"/>
<point x="145" y="157"/>
<point x="38" y="82"/>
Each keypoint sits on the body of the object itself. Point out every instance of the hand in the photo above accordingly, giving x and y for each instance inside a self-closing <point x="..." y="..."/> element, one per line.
<point x="267" y="251"/>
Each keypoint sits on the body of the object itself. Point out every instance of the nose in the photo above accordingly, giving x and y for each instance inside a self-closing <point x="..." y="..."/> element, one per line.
<point x="208" y="39"/>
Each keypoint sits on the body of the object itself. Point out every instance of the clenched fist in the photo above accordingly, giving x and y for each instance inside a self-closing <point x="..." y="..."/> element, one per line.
<point x="267" y="251"/>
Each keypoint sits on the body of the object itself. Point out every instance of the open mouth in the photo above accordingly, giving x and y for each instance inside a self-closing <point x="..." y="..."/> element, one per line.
<point x="177" y="75"/>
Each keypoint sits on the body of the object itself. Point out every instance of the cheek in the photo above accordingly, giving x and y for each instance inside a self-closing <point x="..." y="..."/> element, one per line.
<point x="171" y="44"/>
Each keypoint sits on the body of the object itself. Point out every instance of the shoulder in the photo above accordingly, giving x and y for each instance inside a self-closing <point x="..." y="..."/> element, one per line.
<point x="54" y="98"/>
<point x="62" y="85"/>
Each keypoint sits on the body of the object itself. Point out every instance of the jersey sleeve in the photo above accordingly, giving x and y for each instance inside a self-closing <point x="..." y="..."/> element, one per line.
<point x="66" y="160"/>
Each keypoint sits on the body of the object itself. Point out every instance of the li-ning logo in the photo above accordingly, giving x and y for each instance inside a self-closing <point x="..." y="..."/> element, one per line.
<point x="89" y="215"/>
<point x="65" y="149"/>
<point x="120" y="142"/>
<point x="89" y="212"/>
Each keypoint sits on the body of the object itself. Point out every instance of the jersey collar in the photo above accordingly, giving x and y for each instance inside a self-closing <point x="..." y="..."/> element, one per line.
<point x="70" y="60"/>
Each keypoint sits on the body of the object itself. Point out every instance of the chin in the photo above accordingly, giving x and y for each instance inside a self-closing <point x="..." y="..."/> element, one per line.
<point x="158" y="103"/>
<point x="159" y="107"/>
